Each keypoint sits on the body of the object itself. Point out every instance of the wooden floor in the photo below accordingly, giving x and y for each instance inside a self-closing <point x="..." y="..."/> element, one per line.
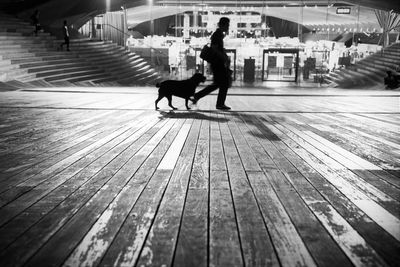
<point x="289" y="177"/>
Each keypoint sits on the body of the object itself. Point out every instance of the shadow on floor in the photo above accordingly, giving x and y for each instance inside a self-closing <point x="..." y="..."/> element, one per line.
<point x="190" y="115"/>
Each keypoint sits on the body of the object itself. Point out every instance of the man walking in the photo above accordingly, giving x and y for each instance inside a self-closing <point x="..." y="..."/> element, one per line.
<point x="219" y="67"/>
<point x="66" y="36"/>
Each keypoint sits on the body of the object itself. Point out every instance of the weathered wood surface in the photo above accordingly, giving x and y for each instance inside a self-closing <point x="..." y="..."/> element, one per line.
<point x="287" y="178"/>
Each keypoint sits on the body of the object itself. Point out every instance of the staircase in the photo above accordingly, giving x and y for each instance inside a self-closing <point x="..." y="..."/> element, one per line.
<point x="37" y="60"/>
<point x="369" y="71"/>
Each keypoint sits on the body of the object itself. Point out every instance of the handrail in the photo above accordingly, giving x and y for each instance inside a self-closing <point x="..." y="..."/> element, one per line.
<point x="112" y="26"/>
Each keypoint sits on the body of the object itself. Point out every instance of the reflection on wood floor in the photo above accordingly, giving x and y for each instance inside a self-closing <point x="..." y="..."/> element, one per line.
<point x="97" y="177"/>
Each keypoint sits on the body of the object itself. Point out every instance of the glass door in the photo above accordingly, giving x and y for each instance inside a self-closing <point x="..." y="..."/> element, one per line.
<point x="280" y="65"/>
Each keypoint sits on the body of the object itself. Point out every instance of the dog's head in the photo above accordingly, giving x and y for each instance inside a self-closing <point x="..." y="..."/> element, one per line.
<point x="198" y="78"/>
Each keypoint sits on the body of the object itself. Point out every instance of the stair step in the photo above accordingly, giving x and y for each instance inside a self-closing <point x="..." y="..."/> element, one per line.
<point x="6" y="33"/>
<point x="50" y="63"/>
<point x="62" y="84"/>
<point x="62" y="71"/>
<point x="105" y="80"/>
<point x="16" y="55"/>
<point x="13" y="74"/>
<point x="20" y="37"/>
<point x="72" y="75"/>
<point x="87" y="78"/>
<point x="40" y="83"/>
<point x="34" y="59"/>
<point x="47" y="67"/>
<point x="5" y="68"/>
<point x="16" y="84"/>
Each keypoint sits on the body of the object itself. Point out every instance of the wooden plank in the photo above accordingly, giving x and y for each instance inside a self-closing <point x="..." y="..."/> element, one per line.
<point x="380" y="240"/>
<point x="217" y="158"/>
<point x="91" y="176"/>
<point x="387" y="127"/>
<point x="200" y="170"/>
<point x="115" y="196"/>
<point x="351" y="138"/>
<point x="54" y="133"/>
<point x="26" y="245"/>
<point x="338" y="163"/>
<point x="372" y="129"/>
<point x="321" y="246"/>
<point x="361" y="168"/>
<point x="289" y="246"/>
<point x="171" y="157"/>
<point x="328" y="133"/>
<point x="161" y="243"/>
<point x="53" y="155"/>
<point x="224" y="244"/>
<point x="354" y="246"/>
<point x="193" y="239"/>
<point x="192" y="246"/>
<point x="252" y="229"/>
<point x="359" y="129"/>
<point x="69" y="167"/>
<point x="246" y="154"/>
<point x="95" y="243"/>
<point x="25" y="175"/>
<point x="383" y="117"/>
<point x="381" y="216"/>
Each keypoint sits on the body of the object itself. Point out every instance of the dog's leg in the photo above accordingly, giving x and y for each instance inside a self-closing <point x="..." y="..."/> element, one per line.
<point x="158" y="100"/>
<point x="169" y="97"/>
<point x="186" y="103"/>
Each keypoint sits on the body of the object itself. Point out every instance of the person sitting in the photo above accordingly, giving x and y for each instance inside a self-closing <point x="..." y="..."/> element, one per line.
<point x="391" y="81"/>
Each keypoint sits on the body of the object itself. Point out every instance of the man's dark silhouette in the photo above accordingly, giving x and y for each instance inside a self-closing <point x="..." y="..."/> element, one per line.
<point x="219" y="67"/>
<point x="66" y="36"/>
<point x="35" y="21"/>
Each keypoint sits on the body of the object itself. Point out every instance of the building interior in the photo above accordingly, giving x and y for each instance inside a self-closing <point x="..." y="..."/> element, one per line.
<point x="302" y="168"/>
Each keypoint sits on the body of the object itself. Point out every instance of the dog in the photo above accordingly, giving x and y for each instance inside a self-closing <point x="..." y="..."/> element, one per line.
<point x="184" y="89"/>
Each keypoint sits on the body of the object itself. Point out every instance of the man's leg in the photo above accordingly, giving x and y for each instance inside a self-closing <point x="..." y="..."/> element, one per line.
<point x="223" y="90"/>
<point x="207" y="90"/>
<point x="67" y="42"/>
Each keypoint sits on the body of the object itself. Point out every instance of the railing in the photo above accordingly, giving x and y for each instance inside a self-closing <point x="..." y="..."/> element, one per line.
<point x="128" y="35"/>
<point x="118" y="39"/>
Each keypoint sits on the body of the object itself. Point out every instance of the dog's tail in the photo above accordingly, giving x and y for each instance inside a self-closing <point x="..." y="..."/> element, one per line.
<point x="158" y="84"/>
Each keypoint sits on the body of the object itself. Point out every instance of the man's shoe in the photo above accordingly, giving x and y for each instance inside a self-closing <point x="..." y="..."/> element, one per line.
<point x="223" y="107"/>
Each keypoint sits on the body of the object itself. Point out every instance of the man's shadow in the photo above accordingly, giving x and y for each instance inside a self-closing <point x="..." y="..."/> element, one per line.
<point x="190" y="115"/>
<point x="261" y="129"/>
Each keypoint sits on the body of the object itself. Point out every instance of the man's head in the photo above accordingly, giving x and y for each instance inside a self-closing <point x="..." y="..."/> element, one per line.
<point x="223" y="24"/>
<point x="65" y="22"/>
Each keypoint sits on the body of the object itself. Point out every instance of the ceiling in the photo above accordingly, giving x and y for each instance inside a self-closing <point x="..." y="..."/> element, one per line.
<point x="310" y="16"/>
<point x="52" y="12"/>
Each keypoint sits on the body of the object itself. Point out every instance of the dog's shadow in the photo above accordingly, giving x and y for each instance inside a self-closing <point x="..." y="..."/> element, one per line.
<point x="173" y="114"/>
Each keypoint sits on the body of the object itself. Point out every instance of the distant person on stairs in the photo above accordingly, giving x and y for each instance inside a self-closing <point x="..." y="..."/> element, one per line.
<point x="66" y="36"/>
<point x="35" y="21"/>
